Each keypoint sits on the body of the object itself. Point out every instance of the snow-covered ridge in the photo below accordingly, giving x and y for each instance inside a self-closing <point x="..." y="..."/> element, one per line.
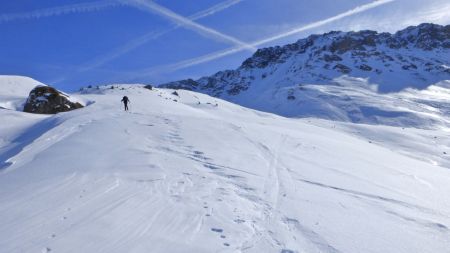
<point x="301" y="79"/>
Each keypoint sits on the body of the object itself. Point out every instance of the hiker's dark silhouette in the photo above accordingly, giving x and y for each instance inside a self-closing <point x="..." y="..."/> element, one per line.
<point x="125" y="101"/>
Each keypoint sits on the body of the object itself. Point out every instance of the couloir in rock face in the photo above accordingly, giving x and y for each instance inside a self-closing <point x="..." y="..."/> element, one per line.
<point x="48" y="100"/>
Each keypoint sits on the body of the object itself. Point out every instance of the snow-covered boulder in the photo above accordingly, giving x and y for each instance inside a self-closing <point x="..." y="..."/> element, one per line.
<point x="48" y="100"/>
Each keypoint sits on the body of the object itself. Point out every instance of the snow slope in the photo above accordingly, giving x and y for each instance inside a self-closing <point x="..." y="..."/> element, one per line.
<point x="192" y="173"/>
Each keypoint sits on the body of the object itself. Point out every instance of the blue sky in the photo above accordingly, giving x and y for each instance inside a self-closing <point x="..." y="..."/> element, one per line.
<point x="70" y="44"/>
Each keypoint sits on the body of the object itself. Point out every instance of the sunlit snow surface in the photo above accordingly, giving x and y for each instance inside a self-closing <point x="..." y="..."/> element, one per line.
<point x="191" y="173"/>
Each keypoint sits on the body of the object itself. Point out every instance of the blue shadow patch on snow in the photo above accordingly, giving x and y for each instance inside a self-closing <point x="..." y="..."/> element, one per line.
<point x="27" y="137"/>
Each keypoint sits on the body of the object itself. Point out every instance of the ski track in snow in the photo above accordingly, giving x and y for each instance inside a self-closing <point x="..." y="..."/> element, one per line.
<point x="192" y="176"/>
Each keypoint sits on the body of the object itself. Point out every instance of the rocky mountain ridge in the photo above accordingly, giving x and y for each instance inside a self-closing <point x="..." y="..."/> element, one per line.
<point x="421" y="52"/>
<point x="306" y="78"/>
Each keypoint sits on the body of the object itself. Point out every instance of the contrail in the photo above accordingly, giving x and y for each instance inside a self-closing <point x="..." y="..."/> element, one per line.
<point x="148" y="5"/>
<point x="351" y="12"/>
<point x="61" y="10"/>
<point x="232" y="50"/>
<point x="137" y="42"/>
<point x="214" y="9"/>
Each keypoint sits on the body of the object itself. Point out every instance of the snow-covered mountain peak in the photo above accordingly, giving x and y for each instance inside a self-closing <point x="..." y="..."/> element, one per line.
<point x="305" y="78"/>
<point x="425" y="37"/>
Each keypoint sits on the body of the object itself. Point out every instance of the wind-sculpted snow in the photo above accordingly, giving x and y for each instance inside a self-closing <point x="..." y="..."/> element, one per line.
<point x="309" y="77"/>
<point x="14" y="91"/>
<point x="192" y="173"/>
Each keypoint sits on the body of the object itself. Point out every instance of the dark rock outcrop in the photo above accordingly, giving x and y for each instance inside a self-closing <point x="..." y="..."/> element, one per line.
<point x="48" y="100"/>
<point x="365" y="67"/>
<point x="331" y="58"/>
<point x="187" y="84"/>
<point x="342" y="68"/>
<point x="353" y="41"/>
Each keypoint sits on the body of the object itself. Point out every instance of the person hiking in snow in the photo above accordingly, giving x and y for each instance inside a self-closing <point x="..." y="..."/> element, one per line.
<point x="125" y="101"/>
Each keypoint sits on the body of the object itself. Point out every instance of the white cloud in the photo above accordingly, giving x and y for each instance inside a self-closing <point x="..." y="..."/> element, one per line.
<point x="60" y="10"/>
<point x="396" y="18"/>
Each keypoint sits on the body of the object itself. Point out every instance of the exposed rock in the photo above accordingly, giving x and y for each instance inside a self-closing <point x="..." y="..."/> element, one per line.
<point x="331" y="58"/>
<point x="236" y="89"/>
<point x="408" y="67"/>
<point x="291" y="97"/>
<point x="263" y="57"/>
<point x="48" y="100"/>
<point x="187" y="84"/>
<point x="426" y="36"/>
<point x="353" y="41"/>
<point x="342" y="68"/>
<point x="365" y="67"/>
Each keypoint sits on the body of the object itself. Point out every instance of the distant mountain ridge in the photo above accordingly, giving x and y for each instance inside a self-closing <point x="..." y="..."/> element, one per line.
<point x="276" y="77"/>
<point x="419" y="51"/>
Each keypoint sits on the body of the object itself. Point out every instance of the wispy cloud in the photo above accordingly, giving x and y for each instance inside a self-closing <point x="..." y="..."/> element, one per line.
<point x="137" y="42"/>
<point x="125" y="48"/>
<point x="60" y="10"/>
<point x="215" y="9"/>
<point x="316" y="24"/>
<point x="148" y="5"/>
<point x="232" y="50"/>
<point x="395" y="18"/>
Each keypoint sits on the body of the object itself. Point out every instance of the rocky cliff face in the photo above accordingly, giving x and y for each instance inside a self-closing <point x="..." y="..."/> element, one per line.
<point x="48" y="100"/>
